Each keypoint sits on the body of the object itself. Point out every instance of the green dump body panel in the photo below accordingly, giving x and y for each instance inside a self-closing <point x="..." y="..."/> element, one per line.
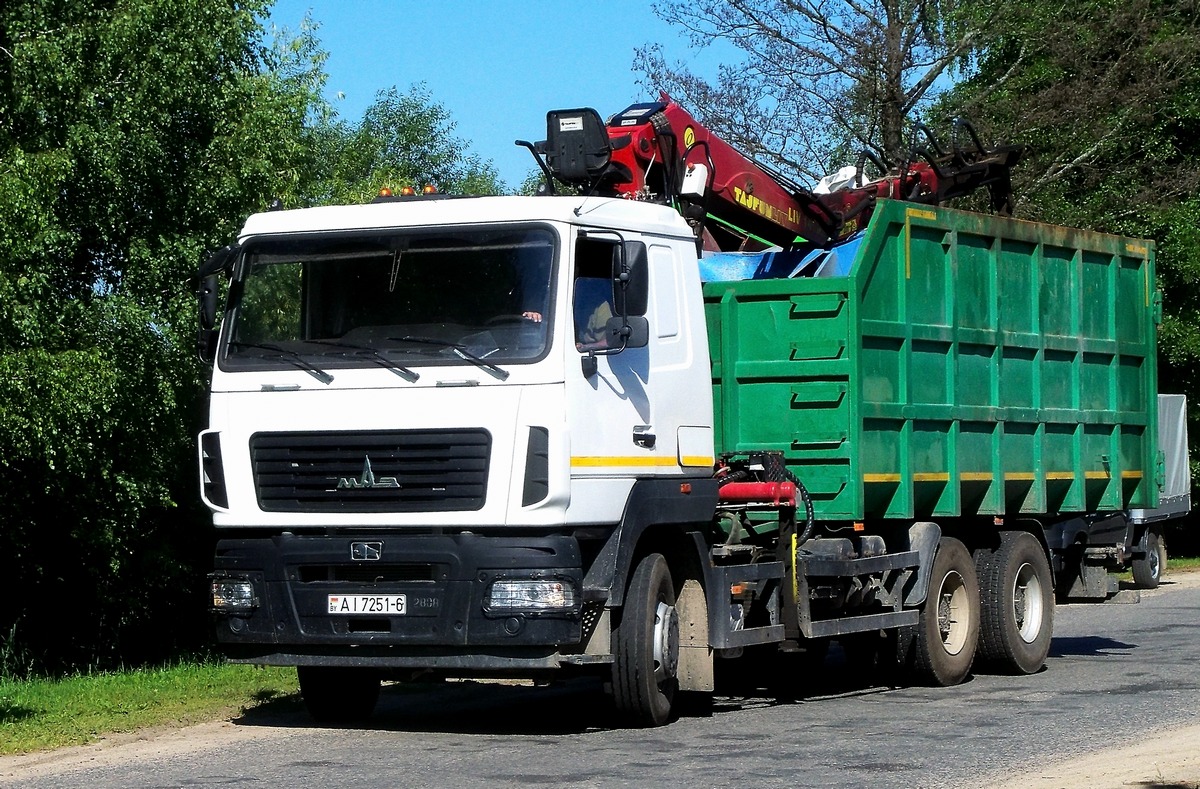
<point x="968" y="365"/>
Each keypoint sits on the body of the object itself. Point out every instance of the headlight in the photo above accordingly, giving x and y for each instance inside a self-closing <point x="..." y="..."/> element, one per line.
<point x="232" y="595"/>
<point x="530" y="595"/>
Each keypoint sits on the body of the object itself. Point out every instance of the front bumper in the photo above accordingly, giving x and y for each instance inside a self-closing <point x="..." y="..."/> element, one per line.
<point x="444" y="578"/>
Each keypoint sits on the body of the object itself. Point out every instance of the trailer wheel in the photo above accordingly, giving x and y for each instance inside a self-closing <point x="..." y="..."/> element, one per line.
<point x="338" y="695"/>
<point x="1016" y="604"/>
<point x="948" y="630"/>
<point x="647" y="646"/>
<point x="1147" y="571"/>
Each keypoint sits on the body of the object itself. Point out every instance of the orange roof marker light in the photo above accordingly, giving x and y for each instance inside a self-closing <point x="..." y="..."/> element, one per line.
<point x="388" y="195"/>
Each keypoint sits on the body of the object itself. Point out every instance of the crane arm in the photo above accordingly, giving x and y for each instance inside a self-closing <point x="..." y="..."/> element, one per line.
<point x="658" y="152"/>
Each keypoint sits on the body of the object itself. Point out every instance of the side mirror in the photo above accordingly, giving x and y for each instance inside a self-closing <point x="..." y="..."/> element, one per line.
<point x="628" y="331"/>
<point x="206" y="342"/>
<point x="621" y="333"/>
<point x="208" y="301"/>
<point x="631" y="280"/>
<point x="220" y="262"/>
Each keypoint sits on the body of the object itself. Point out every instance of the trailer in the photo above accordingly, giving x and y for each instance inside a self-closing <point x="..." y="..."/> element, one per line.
<point x="523" y="436"/>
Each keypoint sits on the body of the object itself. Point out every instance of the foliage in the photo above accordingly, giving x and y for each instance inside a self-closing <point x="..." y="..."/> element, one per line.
<point x="403" y="139"/>
<point x="95" y="452"/>
<point x="40" y="714"/>
<point x="1106" y="95"/>
<point x="820" y="79"/>
<point x="533" y="180"/>
<point x="133" y="135"/>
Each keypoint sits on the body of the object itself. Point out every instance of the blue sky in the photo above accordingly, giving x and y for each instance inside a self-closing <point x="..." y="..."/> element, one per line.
<point x="498" y="67"/>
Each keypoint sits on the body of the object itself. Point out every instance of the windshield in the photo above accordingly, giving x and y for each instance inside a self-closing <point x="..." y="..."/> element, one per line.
<point x="465" y="296"/>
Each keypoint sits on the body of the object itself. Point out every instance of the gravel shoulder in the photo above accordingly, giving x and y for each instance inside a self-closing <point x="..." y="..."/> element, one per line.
<point x="1167" y="759"/>
<point x="147" y="744"/>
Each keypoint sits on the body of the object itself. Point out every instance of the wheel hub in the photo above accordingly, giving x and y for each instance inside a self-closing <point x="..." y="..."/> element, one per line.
<point x="666" y="642"/>
<point x="953" y="613"/>
<point x="1027" y="603"/>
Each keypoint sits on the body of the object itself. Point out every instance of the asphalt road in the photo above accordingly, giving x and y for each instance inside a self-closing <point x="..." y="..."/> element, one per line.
<point x="1117" y="674"/>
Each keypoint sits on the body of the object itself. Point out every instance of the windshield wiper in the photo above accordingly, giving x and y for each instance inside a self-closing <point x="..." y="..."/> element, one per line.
<point x="399" y="369"/>
<point x="458" y="351"/>
<point x="480" y="363"/>
<point x="291" y="357"/>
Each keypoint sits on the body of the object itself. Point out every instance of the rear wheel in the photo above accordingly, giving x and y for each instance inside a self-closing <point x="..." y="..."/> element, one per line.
<point x="1016" y="604"/>
<point x="647" y="648"/>
<point x="338" y="695"/>
<point x="1147" y="571"/>
<point x="948" y="629"/>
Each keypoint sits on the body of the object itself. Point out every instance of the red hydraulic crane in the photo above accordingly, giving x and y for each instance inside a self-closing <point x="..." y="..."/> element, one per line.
<point x="657" y="151"/>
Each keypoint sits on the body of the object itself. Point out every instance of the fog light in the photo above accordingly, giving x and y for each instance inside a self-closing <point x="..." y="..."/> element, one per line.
<point x="531" y="596"/>
<point x="228" y="595"/>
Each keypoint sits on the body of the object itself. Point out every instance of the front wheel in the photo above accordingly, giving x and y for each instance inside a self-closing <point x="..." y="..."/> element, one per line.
<point x="647" y="646"/>
<point x="338" y="695"/>
<point x="948" y="630"/>
<point x="1017" y="604"/>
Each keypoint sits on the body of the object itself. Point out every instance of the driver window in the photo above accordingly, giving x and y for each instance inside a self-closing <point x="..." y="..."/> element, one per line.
<point x="593" y="293"/>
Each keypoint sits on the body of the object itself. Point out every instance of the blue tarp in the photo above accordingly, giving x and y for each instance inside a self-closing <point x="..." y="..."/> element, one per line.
<point x="778" y="264"/>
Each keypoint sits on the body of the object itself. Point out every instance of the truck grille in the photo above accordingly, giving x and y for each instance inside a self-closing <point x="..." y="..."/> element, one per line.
<point x="396" y="471"/>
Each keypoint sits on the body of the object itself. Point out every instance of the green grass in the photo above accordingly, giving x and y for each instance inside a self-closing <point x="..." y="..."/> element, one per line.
<point x="42" y="714"/>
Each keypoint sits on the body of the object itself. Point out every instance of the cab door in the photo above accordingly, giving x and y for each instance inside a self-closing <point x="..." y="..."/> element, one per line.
<point x="627" y="418"/>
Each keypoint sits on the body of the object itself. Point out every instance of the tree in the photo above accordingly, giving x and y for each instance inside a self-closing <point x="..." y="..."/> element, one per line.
<point x="134" y="134"/>
<point x="403" y="139"/>
<point x="1103" y="95"/>
<point x="1106" y="97"/>
<point x="822" y="79"/>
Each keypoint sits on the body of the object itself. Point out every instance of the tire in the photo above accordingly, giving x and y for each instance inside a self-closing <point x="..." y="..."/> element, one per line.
<point x="647" y="646"/>
<point x="1016" y="616"/>
<point x="947" y="633"/>
<point x="338" y="695"/>
<point x="1148" y="571"/>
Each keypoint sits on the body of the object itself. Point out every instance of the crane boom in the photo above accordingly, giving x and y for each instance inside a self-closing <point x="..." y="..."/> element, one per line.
<point x="657" y="151"/>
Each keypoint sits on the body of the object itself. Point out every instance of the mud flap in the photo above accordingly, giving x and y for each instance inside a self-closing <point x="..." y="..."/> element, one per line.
<point x="923" y="538"/>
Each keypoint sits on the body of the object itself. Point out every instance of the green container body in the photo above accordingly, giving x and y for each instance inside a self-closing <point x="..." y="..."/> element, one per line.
<point x="968" y="365"/>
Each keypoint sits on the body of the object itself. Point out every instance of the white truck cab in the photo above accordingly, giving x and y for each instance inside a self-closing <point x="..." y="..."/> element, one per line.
<point x="428" y="419"/>
<point x="463" y="318"/>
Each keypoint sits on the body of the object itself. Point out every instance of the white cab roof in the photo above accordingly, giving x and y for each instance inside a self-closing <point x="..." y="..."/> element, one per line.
<point x="603" y="212"/>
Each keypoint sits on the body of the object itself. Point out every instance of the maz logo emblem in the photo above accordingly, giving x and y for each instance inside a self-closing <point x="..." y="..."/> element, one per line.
<point x="366" y="551"/>
<point x="367" y="480"/>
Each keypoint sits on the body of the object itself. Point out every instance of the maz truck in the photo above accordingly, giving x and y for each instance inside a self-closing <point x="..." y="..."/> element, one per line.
<point x="553" y="435"/>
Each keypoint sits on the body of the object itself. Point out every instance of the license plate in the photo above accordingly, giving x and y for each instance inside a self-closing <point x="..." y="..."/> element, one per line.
<point x="379" y="604"/>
